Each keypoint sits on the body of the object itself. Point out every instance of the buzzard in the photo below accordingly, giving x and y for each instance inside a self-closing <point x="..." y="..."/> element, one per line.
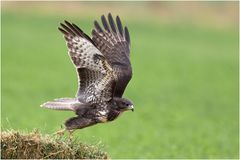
<point x="104" y="70"/>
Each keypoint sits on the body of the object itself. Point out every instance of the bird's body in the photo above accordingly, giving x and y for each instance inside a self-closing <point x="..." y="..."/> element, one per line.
<point x="104" y="70"/>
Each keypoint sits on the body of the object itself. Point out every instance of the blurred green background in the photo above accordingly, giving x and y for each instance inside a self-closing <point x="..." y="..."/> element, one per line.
<point x="185" y="75"/>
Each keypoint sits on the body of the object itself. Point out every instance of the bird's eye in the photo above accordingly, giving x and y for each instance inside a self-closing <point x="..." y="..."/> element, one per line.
<point x="123" y="103"/>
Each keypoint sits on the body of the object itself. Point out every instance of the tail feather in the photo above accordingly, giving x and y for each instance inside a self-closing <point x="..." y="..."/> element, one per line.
<point x="67" y="104"/>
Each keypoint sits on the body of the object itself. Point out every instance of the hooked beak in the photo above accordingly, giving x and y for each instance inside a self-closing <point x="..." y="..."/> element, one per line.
<point x="131" y="108"/>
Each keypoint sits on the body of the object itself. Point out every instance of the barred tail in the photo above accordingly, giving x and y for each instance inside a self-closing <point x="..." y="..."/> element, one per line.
<point x="67" y="104"/>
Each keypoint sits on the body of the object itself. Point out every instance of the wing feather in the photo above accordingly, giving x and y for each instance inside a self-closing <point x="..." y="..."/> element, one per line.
<point x="112" y="23"/>
<point x="119" y="24"/>
<point x="114" y="44"/>
<point x="105" y="24"/>
<point x="127" y="36"/>
<point x="96" y="76"/>
<point x="97" y="26"/>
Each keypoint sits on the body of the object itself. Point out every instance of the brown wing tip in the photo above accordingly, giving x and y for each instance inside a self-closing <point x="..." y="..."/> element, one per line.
<point x="109" y="14"/>
<point x="127" y="36"/>
<point x="68" y="23"/>
<point x="105" y="23"/>
<point x="112" y="23"/>
<point x="62" y="25"/>
<point x="72" y="29"/>
<point x="63" y="31"/>
<point x="97" y="26"/>
<point x="119" y="24"/>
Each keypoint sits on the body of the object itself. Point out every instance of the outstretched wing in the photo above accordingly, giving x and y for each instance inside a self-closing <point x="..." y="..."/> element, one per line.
<point x="114" y="43"/>
<point x="97" y="79"/>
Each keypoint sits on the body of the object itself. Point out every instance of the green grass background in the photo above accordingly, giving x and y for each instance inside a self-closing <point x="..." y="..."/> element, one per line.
<point x="184" y="86"/>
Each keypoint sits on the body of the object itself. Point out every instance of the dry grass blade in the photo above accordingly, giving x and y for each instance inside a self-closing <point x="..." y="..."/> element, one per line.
<point x="16" y="145"/>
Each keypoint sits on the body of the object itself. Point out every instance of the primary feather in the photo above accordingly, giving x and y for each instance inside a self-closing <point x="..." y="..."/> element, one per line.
<point x="114" y="44"/>
<point x="96" y="75"/>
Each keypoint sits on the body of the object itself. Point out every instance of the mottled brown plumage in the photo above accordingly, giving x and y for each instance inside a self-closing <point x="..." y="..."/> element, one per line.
<point x="104" y="70"/>
<point x="114" y="43"/>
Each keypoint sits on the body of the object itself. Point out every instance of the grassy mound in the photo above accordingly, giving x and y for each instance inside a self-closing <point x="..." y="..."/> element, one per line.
<point x="16" y="145"/>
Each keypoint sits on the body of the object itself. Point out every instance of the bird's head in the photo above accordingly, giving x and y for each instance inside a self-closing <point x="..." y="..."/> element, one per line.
<point x="123" y="104"/>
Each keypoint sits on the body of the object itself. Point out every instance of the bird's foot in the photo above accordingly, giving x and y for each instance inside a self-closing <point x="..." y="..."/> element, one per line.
<point x="60" y="132"/>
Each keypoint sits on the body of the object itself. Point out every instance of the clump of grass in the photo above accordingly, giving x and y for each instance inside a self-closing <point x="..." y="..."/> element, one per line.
<point x="16" y="145"/>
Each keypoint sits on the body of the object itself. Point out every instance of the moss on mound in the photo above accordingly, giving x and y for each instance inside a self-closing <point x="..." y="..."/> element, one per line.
<point x="16" y="145"/>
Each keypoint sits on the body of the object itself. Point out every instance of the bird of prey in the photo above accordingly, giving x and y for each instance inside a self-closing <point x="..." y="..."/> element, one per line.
<point x="104" y="70"/>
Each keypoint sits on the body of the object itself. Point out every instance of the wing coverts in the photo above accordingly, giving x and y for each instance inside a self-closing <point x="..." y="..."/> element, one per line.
<point x="97" y="79"/>
<point x="114" y="43"/>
